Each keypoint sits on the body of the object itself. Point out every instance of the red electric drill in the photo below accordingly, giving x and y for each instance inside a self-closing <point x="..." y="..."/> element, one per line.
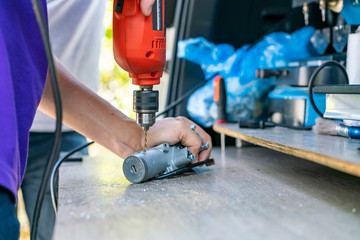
<point x="139" y="48"/>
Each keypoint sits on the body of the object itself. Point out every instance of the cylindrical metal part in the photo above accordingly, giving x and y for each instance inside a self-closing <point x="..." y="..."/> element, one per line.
<point x="141" y="166"/>
<point x="145" y="165"/>
<point x="145" y="104"/>
<point x="342" y="130"/>
<point x="145" y="119"/>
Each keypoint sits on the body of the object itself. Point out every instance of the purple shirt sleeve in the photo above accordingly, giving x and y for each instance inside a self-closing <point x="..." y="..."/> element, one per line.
<point x="23" y="69"/>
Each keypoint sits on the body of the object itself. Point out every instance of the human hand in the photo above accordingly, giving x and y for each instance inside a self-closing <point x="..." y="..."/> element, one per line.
<point x="146" y="6"/>
<point x="175" y="130"/>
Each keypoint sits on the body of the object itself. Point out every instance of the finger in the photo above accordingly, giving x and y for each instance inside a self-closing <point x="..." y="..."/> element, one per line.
<point x="204" y="136"/>
<point x="146" y="6"/>
<point x="190" y="139"/>
<point x="204" y="155"/>
<point x="159" y="132"/>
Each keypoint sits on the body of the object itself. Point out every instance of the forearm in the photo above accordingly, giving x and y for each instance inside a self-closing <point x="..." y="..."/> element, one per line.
<point x="90" y="115"/>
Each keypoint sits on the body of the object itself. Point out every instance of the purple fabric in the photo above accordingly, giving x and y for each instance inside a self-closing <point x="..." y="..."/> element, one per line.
<point x="23" y="69"/>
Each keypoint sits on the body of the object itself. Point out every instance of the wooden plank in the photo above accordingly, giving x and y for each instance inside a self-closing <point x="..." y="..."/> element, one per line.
<point x="251" y="193"/>
<point x="332" y="151"/>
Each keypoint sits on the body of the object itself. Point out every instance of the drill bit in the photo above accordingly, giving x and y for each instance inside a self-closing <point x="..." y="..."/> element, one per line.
<point x="145" y="130"/>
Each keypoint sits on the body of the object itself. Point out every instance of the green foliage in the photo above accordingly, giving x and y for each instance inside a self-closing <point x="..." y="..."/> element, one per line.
<point x="116" y="85"/>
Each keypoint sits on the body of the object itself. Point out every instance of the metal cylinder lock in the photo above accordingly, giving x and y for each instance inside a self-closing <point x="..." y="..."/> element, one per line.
<point x="157" y="161"/>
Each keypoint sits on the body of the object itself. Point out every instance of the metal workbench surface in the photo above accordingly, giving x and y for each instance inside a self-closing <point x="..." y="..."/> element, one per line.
<point x="251" y="193"/>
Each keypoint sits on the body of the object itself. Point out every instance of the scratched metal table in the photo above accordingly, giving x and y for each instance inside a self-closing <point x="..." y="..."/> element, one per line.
<point x="251" y="193"/>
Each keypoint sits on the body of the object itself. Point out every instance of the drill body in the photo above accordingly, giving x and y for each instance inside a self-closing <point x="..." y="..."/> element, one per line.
<point x="139" y="48"/>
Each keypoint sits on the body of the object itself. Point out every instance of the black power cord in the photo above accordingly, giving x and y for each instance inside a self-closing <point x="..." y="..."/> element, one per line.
<point x="40" y="18"/>
<point x="185" y="95"/>
<point x="56" y="167"/>
<point x="207" y="162"/>
<point x="315" y="74"/>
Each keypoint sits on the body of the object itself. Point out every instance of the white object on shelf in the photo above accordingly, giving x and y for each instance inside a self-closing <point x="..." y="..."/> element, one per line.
<point x="353" y="58"/>
<point x="343" y="106"/>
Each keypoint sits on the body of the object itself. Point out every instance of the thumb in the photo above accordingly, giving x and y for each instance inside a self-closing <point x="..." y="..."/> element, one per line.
<point x="146" y="6"/>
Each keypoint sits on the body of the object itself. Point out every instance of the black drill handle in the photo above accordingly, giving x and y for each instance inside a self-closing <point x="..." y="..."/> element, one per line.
<point x="220" y="99"/>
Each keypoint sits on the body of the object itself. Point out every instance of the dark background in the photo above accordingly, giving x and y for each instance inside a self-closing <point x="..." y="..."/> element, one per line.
<point x="236" y="22"/>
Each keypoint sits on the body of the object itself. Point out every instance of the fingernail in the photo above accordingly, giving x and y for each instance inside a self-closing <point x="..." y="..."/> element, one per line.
<point x="149" y="10"/>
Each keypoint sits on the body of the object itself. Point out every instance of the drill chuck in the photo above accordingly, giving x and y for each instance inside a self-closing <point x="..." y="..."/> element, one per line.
<point x="140" y="49"/>
<point x="146" y="104"/>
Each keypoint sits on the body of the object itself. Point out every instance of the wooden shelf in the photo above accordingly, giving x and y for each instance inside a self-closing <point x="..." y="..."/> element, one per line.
<point x="336" y="152"/>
